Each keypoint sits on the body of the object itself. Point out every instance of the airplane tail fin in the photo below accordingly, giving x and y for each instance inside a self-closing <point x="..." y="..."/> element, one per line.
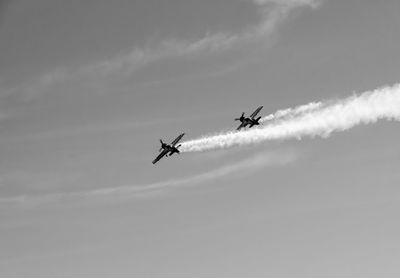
<point x="175" y="150"/>
<point x="255" y="122"/>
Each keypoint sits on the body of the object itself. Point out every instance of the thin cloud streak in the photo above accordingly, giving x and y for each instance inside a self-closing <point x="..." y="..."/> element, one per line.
<point x="246" y="166"/>
<point x="243" y="167"/>
<point x="36" y="86"/>
<point x="272" y="13"/>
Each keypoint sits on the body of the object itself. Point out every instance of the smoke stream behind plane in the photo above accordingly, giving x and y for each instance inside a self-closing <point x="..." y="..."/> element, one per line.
<point x="292" y="112"/>
<point x="314" y="119"/>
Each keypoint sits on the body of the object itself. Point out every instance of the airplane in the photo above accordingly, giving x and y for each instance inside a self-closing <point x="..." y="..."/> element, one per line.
<point x="249" y="120"/>
<point x="168" y="149"/>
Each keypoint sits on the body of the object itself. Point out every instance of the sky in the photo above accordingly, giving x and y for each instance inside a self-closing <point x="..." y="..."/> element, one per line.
<point x="87" y="89"/>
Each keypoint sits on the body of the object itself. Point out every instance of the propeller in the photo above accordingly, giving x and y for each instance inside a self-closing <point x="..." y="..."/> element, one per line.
<point x="241" y="117"/>
<point x="162" y="145"/>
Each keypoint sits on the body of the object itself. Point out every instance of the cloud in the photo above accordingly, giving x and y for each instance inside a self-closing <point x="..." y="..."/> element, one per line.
<point x="272" y="12"/>
<point x="139" y="57"/>
<point x="243" y="167"/>
<point x="246" y="166"/>
<point x="291" y="3"/>
<point x="37" y="86"/>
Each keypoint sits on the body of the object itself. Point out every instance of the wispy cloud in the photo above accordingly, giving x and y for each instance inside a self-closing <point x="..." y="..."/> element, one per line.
<point x="248" y="165"/>
<point x="36" y="86"/>
<point x="292" y="3"/>
<point x="271" y="14"/>
<point x="244" y="167"/>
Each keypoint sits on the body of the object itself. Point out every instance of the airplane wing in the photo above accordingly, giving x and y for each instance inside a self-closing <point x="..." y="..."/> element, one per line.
<point x="255" y="112"/>
<point x="243" y="124"/>
<point x="177" y="139"/>
<point x="161" y="155"/>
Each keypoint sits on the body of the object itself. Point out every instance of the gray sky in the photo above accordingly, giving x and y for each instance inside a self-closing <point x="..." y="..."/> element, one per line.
<point x="88" y="87"/>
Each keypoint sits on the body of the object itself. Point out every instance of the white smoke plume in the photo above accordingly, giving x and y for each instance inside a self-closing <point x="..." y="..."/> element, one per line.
<point x="292" y="112"/>
<point x="316" y="119"/>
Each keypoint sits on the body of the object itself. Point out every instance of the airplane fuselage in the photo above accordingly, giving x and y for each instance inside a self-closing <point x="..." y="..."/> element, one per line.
<point x="170" y="149"/>
<point x="249" y="122"/>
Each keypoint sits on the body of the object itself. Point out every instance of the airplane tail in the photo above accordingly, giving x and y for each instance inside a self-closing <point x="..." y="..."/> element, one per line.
<point x="256" y="122"/>
<point x="176" y="150"/>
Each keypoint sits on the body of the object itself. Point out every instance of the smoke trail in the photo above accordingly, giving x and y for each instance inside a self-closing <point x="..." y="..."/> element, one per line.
<point x="382" y="103"/>
<point x="292" y="112"/>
